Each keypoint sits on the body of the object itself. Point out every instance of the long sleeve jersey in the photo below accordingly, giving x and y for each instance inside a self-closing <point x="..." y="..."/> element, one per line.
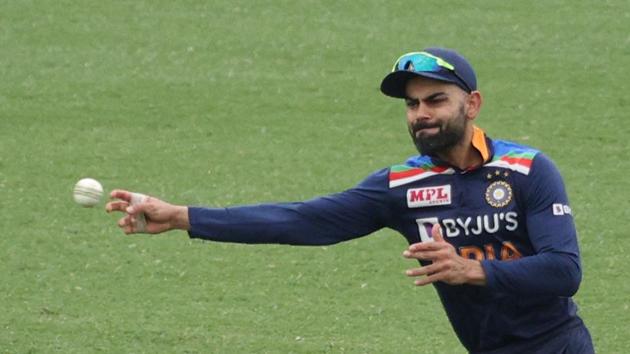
<point x="511" y="213"/>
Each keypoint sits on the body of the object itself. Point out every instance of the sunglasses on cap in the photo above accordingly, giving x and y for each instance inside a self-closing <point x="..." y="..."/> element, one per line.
<point x="426" y="62"/>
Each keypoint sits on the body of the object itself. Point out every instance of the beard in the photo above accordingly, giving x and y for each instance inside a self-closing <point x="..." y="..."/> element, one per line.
<point x="450" y="133"/>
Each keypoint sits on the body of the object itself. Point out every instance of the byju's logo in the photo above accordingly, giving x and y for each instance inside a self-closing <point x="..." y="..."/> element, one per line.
<point x="429" y="196"/>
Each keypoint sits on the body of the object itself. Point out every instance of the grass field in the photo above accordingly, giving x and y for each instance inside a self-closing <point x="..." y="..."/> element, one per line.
<point x="229" y="102"/>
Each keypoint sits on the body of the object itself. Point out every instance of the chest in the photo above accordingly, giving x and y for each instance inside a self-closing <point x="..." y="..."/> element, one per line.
<point x="481" y="213"/>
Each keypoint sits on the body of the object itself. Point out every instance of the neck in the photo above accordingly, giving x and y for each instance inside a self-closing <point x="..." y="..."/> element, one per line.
<point x="463" y="155"/>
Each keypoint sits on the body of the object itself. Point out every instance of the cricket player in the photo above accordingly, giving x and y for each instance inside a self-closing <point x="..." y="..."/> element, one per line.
<point x="488" y="220"/>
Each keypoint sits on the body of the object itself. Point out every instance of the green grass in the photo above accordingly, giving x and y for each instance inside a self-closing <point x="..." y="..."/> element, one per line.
<point x="232" y="102"/>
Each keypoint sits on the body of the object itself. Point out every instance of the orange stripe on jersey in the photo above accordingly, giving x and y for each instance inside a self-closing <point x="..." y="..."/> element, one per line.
<point x="471" y="252"/>
<point x="509" y="251"/>
<point x="479" y="143"/>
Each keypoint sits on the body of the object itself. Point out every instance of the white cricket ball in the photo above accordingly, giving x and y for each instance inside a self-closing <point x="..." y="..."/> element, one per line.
<point x="87" y="192"/>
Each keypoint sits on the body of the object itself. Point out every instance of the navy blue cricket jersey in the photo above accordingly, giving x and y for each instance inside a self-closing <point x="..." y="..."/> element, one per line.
<point x="512" y="214"/>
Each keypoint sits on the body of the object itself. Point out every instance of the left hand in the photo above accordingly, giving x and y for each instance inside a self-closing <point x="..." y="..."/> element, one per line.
<point x="446" y="265"/>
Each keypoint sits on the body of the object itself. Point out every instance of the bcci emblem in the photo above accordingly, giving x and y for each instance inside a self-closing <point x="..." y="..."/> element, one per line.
<point x="499" y="194"/>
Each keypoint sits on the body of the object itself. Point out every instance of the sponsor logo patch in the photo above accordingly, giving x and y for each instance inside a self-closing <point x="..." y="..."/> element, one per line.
<point x="499" y="194"/>
<point x="561" y="209"/>
<point x="567" y="209"/>
<point x="429" y="196"/>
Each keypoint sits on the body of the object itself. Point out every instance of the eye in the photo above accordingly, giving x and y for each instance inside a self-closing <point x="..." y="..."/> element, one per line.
<point x="411" y="103"/>
<point x="438" y="99"/>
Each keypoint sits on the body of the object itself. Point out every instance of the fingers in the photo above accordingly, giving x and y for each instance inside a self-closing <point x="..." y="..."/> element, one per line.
<point x="134" y="205"/>
<point x="426" y="270"/>
<point x="130" y="203"/>
<point x="131" y="225"/>
<point x="433" y="272"/>
<point x="436" y="233"/>
<point x="118" y="205"/>
<point x="429" y="279"/>
<point x="438" y="253"/>
<point x="126" y="224"/>
<point x="143" y="214"/>
<point x="428" y="255"/>
<point x="121" y="194"/>
<point x="427" y="246"/>
<point x="137" y="208"/>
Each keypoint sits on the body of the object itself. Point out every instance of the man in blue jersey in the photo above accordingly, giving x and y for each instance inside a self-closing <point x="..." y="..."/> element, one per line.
<point x="488" y="220"/>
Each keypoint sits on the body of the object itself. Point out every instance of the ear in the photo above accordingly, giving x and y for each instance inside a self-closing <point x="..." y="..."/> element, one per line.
<point x="473" y="104"/>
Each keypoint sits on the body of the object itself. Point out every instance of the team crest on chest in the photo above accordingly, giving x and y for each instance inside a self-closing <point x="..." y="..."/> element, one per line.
<point x="499" y="194"/>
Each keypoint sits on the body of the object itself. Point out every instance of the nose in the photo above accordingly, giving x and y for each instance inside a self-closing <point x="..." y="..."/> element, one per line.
<point x="420" y="113"/>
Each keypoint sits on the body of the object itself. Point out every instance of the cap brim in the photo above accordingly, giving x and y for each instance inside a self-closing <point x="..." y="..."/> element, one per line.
<point x="395" y="83"/>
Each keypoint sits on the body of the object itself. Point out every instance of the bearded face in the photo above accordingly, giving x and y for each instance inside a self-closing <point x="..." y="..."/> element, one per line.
<point x="439" y="137"/>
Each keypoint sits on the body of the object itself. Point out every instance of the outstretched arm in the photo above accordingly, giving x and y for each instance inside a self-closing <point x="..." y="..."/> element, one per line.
<point x="325" y="220"/>
<point x="321" y="221"/>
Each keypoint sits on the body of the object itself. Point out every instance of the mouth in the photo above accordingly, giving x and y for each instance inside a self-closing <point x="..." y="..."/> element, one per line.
<point x="426" y="131"/>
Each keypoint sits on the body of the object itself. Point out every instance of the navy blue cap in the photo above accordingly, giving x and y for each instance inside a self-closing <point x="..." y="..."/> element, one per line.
<point x="395" y="83"/>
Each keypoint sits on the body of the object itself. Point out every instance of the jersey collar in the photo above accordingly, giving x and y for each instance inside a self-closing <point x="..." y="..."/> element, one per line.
<point x="481" y="143"/>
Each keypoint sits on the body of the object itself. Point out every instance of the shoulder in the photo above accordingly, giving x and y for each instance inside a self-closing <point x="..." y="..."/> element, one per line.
<point x="415" y="169"/>
<point x="540" y="174"/>
<point x="377" y="180"/>
<point x="513" y="156"/>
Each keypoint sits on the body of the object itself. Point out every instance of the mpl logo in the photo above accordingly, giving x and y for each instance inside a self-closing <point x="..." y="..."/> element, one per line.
<point x="429" y="196"/>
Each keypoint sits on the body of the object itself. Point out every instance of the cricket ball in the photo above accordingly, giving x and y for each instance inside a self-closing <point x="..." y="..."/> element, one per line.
<point x="87" y="192"/>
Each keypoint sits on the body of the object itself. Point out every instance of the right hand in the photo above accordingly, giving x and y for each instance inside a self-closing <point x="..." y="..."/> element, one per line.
<point x="160" y="216"/>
